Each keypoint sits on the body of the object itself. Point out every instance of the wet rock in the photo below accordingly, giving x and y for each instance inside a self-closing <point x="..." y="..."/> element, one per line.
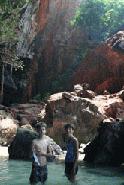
<point x="20" y="148"/>
<point x="107" y="147"/>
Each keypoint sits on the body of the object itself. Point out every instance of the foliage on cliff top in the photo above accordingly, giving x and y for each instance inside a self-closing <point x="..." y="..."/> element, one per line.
<point x="9" y="18"/>
<point x="100" y="18"/>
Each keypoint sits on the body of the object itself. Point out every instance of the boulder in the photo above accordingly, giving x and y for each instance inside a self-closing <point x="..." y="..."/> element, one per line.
<point x="28" y="113"/>
<point x="121" y="94"/>
<point x="20" y="148"/>
<point x="8" y="130"/>
<point x="67" y="107"/>
<point x="107" y="147"/>
<point x="85" y="113"/>
<point x="117" y="41"/>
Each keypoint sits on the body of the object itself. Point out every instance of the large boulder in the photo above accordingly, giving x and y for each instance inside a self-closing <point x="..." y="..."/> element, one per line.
<point x="86" y="113"/>
<point x="20" y="148"/>
<point x="67" y="107"/>
<point x="107" y="147"/>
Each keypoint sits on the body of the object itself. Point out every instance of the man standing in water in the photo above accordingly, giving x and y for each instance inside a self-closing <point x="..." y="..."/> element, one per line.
<point x="71" y="158"/>
<point x="41" y="150"/>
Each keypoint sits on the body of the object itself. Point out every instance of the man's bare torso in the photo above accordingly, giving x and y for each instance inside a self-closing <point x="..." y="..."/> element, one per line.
<point x="40" y="148"/>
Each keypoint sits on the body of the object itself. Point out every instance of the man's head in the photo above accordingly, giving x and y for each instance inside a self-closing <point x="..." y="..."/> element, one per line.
<point x="41" y="128"/>
<point x="69" y="129"/>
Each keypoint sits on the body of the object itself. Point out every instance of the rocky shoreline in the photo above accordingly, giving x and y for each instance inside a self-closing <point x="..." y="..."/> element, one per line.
<point x="81" y="107"/>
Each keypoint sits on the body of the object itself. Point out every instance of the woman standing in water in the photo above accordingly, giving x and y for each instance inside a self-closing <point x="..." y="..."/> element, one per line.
<point x="71" y="158"/>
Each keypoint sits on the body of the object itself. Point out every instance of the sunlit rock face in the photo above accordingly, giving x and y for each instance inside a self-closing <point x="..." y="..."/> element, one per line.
<point x="67" y="107"/>
<point x="103" y="68"/>
<point x="50" y="43"/>
<point x="27" y="28"/>
<point x="86" y="114"/>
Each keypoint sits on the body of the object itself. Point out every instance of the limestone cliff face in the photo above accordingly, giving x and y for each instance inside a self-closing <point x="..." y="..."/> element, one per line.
<point x="103" y="68"/>
<point x="50" y="43"/>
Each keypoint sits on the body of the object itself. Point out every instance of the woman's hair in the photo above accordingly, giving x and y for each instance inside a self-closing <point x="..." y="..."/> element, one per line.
<point x="69" y="125"/>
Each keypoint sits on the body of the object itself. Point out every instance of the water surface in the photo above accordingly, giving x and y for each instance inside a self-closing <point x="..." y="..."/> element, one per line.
<point x="17" y="173"/>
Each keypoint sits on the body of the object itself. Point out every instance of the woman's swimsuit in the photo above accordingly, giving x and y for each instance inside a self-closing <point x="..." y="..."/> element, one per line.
<point x="69" y="160"/>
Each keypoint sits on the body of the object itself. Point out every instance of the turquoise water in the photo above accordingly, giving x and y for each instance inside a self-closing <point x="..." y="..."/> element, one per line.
<point x="17" y="173"/>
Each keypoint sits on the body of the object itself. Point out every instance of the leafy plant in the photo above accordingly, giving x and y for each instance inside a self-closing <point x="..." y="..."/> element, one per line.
<point x="9" y="18"/>
<point x="100" y="18"/>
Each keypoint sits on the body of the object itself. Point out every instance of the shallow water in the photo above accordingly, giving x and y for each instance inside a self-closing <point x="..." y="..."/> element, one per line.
<point x="17" y="173"/>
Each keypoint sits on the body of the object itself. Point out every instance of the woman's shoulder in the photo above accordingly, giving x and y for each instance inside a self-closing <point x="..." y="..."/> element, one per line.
<point x="74" y="139"/>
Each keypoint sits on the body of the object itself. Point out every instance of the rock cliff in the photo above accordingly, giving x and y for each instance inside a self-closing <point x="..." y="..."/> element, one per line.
<point x="49" y="45"/>
<point x="103" y="67"/>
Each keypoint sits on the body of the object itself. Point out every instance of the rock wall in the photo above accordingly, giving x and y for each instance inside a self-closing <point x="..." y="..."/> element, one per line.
<point x="103" y="68"/>
<point x="50" y="44"/>
<point x="52" y="50"/>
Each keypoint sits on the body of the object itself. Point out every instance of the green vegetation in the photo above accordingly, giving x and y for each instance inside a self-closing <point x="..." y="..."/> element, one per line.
<point x="100" y="18"/>
<point x="42" y="97"/>
<point x="9" y="18"/>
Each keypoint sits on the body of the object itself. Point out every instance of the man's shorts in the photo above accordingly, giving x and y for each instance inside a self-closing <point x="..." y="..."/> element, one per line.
<point x="39" y="173"/>
<point x="68" y="169"/>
